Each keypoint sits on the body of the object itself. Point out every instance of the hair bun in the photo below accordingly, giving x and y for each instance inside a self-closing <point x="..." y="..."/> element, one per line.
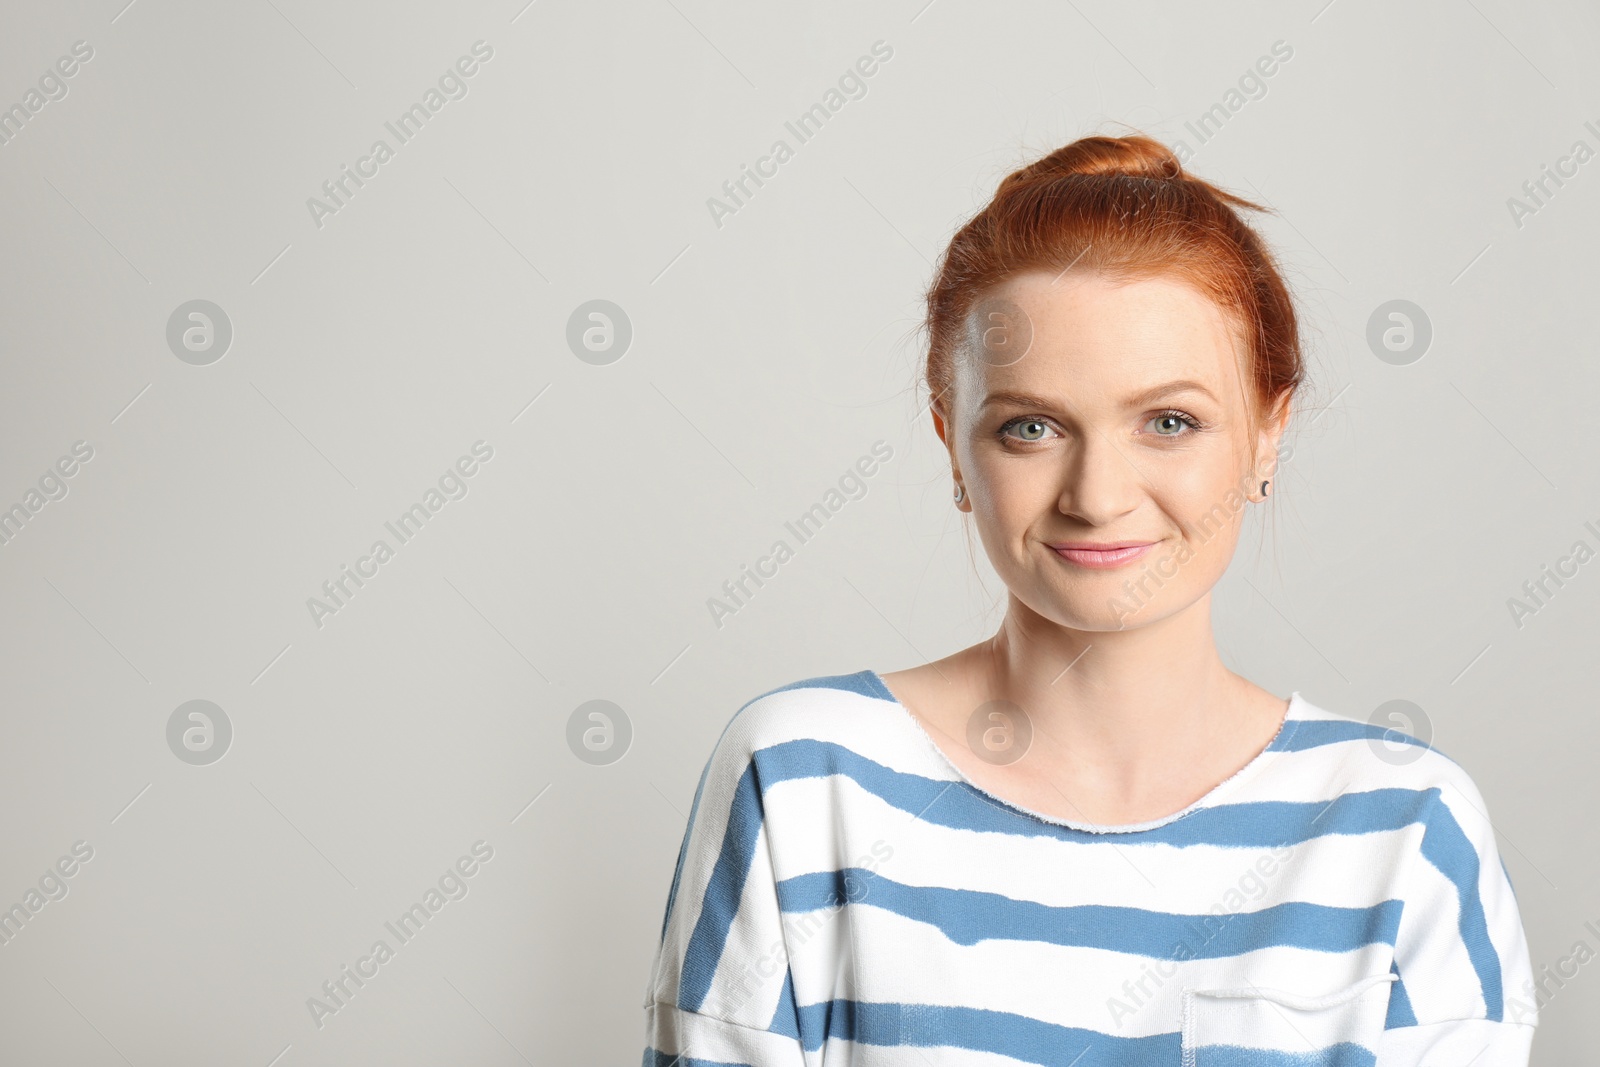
<point x="1134" y="156"/>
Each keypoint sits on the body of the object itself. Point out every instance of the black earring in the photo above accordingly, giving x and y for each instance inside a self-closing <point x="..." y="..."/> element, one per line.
<point x="1264" y="489"/>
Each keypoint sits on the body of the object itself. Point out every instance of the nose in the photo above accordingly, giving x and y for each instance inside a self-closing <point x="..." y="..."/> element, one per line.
<point x="1100" y="482"/>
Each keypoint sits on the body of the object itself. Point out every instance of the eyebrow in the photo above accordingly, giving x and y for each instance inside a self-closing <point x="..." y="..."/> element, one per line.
<point x="1032" y="400"/>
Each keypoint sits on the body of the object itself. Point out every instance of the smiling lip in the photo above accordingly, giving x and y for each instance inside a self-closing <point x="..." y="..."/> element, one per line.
<point x="1103" y="554"/>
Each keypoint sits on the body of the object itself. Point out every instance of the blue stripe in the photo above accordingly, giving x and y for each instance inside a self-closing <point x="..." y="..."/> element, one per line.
<point x="1400" y="1010"/>
<point x="872" y="685"/>
<point x="958" y="805"/>
<point x="968" y="916"/>
<point x="726" y="886"/>
<point x="864" y="683"/>
<point x="1314" y="733"/>
<point x="1344" y="1054"/>
<point x="1003" y="1032"/>
<point x="1447" y="847"/>
<point x="786" y="1016"/>
<point x="1034" y="1041"/>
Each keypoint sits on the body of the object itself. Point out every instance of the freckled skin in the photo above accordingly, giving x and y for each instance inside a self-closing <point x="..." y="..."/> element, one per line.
<point x="1097" y="469"/>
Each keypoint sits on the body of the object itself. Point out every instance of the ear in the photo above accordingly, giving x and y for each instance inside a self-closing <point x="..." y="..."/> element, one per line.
<point x="1271" y="432"/>
<point x="940" y="427"/>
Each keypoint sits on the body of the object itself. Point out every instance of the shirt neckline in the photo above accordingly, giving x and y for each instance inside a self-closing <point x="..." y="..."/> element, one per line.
<point x="1280" y="740"/>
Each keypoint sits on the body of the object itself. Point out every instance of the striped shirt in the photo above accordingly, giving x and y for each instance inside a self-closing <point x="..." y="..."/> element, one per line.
<point x="845" y="895"/>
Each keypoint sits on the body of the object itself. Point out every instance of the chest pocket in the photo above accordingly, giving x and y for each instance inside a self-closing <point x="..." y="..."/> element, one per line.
<point x="1252" y="1025"/>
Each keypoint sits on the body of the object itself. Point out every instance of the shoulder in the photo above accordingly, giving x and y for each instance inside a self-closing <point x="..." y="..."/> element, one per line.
<point x="1379" y="758"/>
<point x="1459" y="947"/>
<point x="835" y="709"/>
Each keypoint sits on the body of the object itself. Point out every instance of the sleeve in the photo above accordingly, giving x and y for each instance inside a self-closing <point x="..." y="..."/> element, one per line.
<point x="1465" y="992"/>
<point x="720" y="991"/>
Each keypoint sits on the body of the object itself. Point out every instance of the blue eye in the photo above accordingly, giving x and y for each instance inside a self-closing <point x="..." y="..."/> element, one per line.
<point x="1172" y="423"/>
<point x="1169" y="424"/>
<point x="1029" y="423"/>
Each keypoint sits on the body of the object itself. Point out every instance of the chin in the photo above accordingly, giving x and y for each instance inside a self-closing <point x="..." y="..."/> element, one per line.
<point x="1109" y="609"/>
<point x="1088" y="612"/>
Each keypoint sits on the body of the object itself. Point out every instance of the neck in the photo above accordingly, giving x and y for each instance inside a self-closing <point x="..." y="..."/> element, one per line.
<point x="1126" y="700"/>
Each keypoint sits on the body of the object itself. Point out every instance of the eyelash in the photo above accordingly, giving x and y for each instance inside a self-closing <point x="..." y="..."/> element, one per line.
<point x="1194" y="424"/>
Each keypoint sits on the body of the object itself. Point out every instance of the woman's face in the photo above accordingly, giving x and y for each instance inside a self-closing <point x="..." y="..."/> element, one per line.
<point x="1091" y="412"/>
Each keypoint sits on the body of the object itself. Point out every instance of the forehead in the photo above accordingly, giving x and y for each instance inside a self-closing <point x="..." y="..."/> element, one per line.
<point x="1096" y="334"/>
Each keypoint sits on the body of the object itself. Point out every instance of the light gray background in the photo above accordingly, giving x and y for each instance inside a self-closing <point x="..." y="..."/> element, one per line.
<point x="768" y="355"/>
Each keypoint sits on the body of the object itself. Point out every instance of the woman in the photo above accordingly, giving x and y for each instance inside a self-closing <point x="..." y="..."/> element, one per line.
<point x="1085" y="841"/>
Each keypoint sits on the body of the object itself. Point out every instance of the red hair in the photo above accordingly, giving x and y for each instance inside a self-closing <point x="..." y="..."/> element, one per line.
<point x="1122" y="207"/>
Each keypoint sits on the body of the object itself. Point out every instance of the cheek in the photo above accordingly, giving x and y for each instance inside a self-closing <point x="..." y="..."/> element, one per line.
<point x="1205" y="491"/>
<point x="1011" y="495"/>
